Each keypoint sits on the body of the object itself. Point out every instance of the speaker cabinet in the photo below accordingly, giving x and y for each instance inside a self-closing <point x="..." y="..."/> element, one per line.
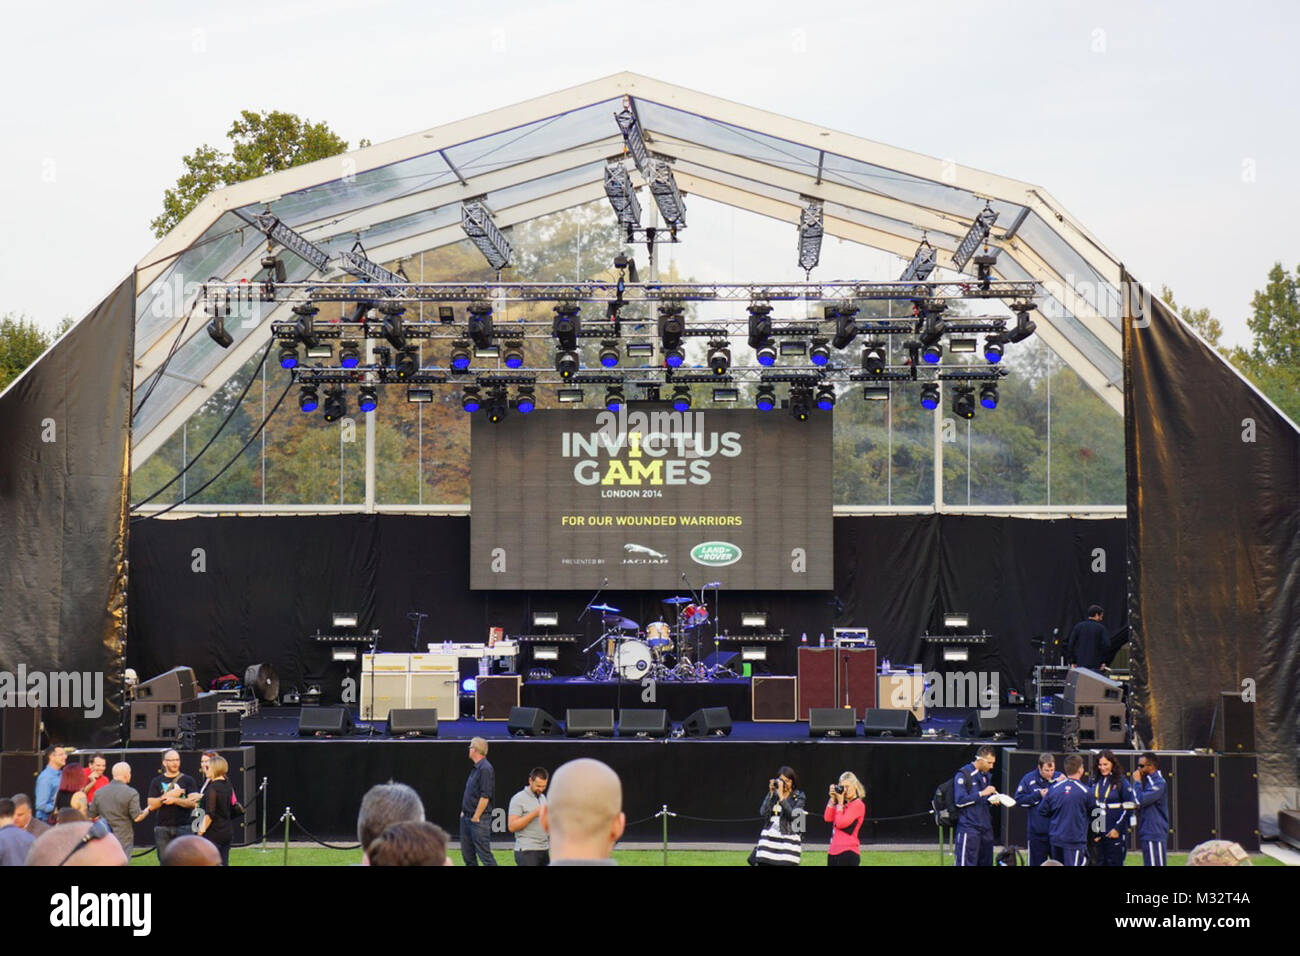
<point x="643" y="723"/>
<point x="1234" y="730"/>
<point x="1102" y="724"/>
<point x="154" y="721"/>
<point x="902" y="690"/>
<point x="413" y="722"/>
<point x="1237" y="781"/>
<point x="879" y="722"/>
<point x="1002" y="724"/>
<point x="382" y="691"/>
<point x="1083" y="686"/>
<point x="324" y="722"/>
<point x="1191" y="799"/>
<point x="589" y="722"/>
<point x="176" y="684"/>
<point x="836" y="676"/>
<point x="532" y="722"/>
<point x="1047" y="733"/>
<point x="774" y="699"/>
<point x="20" y="731"/>
<point x="708" y="722"/>
<point x="495" y="697"/>
<point x="833" y="722"/>
<point x="433" y="690"/>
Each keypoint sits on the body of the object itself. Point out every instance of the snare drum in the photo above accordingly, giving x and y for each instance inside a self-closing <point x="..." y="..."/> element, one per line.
<point x="632" y="661"/>
<point x="658" y="634"/>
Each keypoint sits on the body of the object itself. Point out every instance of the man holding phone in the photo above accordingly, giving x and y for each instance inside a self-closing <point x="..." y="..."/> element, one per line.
<point x="170" y="796"/>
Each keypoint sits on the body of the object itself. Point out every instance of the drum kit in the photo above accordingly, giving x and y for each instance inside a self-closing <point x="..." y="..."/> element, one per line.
<point x="662" y="650"/>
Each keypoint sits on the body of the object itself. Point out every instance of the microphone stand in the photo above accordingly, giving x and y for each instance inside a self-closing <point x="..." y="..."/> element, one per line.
<point x="601" y="637"/>
<point x="374" y="647"/>
<point x="690" y="587"/>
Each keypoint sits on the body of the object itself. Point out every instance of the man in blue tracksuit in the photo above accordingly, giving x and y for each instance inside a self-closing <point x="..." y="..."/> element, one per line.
<point x="971" y="789"/>
<point x="1033" y="788"/>
<point x="1152" y="797"/>
<point x="1069" y="806"/>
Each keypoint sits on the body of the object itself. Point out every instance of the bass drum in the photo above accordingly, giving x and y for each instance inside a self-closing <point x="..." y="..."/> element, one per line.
<point x="632" y="662"/>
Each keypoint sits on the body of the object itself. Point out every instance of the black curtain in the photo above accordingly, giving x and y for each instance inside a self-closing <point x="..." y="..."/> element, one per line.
<point x="1213" y="545"/>
<point x="65" y="431"/>
<point x="219" y="593"/>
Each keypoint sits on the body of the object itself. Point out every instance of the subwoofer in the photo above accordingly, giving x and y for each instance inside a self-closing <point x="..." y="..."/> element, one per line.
<point x="324" y="722"/>
<point x="708" y="722"/>
<point x="880" y="722"/>
<point x="532" y="722"/>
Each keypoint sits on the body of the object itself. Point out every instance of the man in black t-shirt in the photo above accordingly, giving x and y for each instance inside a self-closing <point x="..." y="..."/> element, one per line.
<point x="169" y="797"/>
<point x="1089" y="646"/>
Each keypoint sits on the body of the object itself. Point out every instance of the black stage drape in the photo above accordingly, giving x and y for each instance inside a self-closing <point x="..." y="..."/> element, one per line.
<point x="219" y="593"/>
<point x="1214" y="546"/>
<point x="64" y="428"/>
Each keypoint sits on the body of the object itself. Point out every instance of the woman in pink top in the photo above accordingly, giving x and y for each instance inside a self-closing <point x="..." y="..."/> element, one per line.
<point x="846" y="808"/>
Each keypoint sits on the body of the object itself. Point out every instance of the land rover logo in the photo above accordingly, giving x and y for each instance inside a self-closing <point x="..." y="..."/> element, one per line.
<point x="715" y="554"/>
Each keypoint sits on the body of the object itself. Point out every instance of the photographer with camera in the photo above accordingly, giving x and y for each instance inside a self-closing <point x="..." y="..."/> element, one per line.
<point x="781" y="842"/>
<point x="846" y="809"/>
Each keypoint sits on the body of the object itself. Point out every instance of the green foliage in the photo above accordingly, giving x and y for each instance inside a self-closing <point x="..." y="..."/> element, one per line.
<point x="1199" y="319"/>
<point x="22" y="342"/>
<point x="261" y="143"/>
<point x="1275" y="321"/>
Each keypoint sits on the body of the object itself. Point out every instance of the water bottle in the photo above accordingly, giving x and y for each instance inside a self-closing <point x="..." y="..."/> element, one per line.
<point x="821" y="639"/>
<point x="803" y="639"/>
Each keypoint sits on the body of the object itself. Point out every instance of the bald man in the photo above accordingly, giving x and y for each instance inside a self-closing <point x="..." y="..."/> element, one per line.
<point x="119" y="805"/>
<point x="190" y="851"/>
<point x="54" y="846"/>
<point x="584" y="814"/>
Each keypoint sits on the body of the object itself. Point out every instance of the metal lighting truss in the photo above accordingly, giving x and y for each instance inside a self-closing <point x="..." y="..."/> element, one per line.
<point x="978" y="233"/>
<point x="811" y="231"/>
<point x="622" y="195"/>
<point x="483" y="232"/>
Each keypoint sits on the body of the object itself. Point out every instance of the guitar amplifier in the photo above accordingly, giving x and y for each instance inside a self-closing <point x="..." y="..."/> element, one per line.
<point x="774" y="699"/>
<point x="495" y="697"/>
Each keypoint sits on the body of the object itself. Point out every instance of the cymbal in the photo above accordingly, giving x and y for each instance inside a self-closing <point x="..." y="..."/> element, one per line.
<point x="622" y="623"/>
<point x="607" y="608"/>
<point x="677" y="600"/>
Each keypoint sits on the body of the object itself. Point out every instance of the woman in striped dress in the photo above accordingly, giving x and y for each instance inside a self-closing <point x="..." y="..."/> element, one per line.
<point x="781" y="842"/>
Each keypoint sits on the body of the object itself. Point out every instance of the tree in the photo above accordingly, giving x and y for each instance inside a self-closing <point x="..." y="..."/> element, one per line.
<point x="1276" y="319"/>
<point x="21" y="343"/>
<point x="1199" y="319"/>
<point x="261" y="143"/>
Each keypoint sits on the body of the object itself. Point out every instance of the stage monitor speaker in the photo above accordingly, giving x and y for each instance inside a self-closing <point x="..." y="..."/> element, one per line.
<point x="18" y="774"/>
<point x="1234" y="730"/>
<point x="1001" y="724"/>
<point x="589" y="722"/>
<point x="1083" y="686"/>
<point x="1103" y="723"/>
<point x="774" y="699"/>
<point x="154" y="721"/>
<point x="176" y="684"/>
<point x="496" y="697"/>
<point x="324" y="722"/>
<point x="708" y="722"/>
<point x="532" y="722"/>
<point x="1237" y="781"/>
<point x="833" y="722"/>
<point x="205" y="703"/>
<point x="883" y="722"/>
<point x="643" y="723"/>
<point x="1191" y="799"/>
<point x="20" y="731"/>
<point x="413" y="722"/>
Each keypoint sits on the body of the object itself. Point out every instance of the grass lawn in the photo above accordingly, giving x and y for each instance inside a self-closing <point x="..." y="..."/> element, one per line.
<point x="319" y="856"/>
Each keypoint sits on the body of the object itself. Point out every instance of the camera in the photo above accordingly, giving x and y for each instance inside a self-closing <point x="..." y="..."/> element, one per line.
<point x="838" y="788"/>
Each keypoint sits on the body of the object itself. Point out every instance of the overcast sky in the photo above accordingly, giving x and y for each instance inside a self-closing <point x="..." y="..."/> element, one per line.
<point x="1168" y="129"/>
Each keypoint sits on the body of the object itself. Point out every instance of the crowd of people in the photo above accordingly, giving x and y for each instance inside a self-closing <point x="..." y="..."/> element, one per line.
<point x="86" y="816"/>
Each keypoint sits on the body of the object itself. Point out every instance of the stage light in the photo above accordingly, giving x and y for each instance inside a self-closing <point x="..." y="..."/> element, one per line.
<point x="989" y="395"/>
<point x="349" y="354"/>
<point x="393" y="326"/>
<point x="674" y="358"/>
<point x="217" y="330"/>
<point x="514" y="354"/>
<point x="811" y="230"/>
<point x="308" y="400"/>
<point x="609" y="353"/>
<point x="719" y="357"/>
<point x="408" y="363"/>
<point x="621" y="195"/>
<point x="682" y="398"/>
<point x="614" y="398"/>
<point x="874" y="357"/>
<point x="765" y="399"/>
<point x="470" y="399"/>
<point x="793" y="347"/>
<point x="725" y="395"/>
<point x="566" y="326"/>
<point x="460" y="357"/>
<point x="958" y="619"/>
<point x="766" y="356"/>
<point x="497" y="406"/>
<point x="320" y="352"/>
<point x="566" y="363"/>
<point x="446" y="315"/>
<point x="753" y="619"/>
<point x="961" y="346"/>
<point x="876" y="393"/>
<point x="820" y="352"/>
<point x="846" y="326"/>
<point x="569" y="396"/>
<point x="826" y="397"/>
<point x="671" y="326"/>
<point x="963" y="402"/>
<point x="288" y="356"/>
<point x="367" y="399"/>
<point x="664" y="189"/>
<point x="469" y="685"/>
<point x="419" y="396"/>
<point x="546" y="619"/>
<point x="1023" y="329"/>
<point x="640" y="349"/>
<point x="304" y="326"/>
<point x="993" y="348"/>
<point x="800" y="402"/>
<point x="932" y="353"/>
<point x="760" y="325"/>
<point x="480" y="325"/>
<point x="930" y="396"/>
<point x="483" y="232"/>
<point x="526" y="400"/>
<point x="345" y="618"/>
<point x="336" y="404"/>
